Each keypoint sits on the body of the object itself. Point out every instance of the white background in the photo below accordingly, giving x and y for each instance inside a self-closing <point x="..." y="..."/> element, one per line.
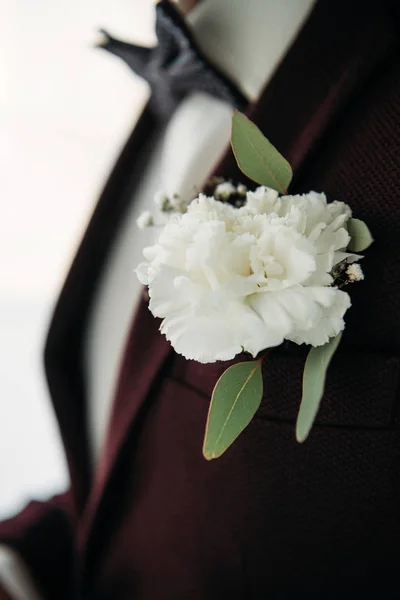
<point x="65" y="111"/>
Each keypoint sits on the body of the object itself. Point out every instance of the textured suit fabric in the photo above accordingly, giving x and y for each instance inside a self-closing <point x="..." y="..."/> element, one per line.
<point x="271" y="518"/>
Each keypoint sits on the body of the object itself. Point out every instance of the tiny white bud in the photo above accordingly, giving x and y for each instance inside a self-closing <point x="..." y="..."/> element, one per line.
<point x="225" y="190"/>
<point x="241" y="189"/>
<point x="145" y="220"/>
<point x="354" y="272"/>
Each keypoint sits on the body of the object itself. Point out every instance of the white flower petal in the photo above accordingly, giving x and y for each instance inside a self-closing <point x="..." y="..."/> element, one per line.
<point x="206" y="338"/>
<point x="330" y="323"/>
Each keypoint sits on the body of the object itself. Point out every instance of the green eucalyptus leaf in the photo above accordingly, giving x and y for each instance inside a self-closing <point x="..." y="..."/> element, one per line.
<point x="257" y="157"/>
<point x="235" y="399"/>
<point x="314" y="376"/>
<point x="361" y="237"/>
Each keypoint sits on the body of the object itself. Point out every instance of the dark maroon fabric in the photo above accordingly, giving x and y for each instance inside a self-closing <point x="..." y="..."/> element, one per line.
<point x="4" y="595"/>
<point x="43" y="536"/>
<point x="271" y="518"/>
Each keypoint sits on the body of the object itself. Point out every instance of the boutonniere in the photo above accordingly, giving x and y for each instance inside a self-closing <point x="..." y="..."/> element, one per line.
<point x="243" y="271"/>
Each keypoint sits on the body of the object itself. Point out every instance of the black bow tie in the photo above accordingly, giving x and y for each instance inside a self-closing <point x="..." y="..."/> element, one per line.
<point x="175" y="66"/>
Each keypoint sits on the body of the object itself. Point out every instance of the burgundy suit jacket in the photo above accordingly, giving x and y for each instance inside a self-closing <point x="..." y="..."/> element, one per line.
<point x="271" y="518"/>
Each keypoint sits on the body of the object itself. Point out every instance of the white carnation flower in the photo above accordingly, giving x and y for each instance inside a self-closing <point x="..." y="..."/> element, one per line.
<point x="225" y="279"/>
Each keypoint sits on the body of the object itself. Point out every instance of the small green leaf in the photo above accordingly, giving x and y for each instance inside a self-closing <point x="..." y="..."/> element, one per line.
<point x="361" y="237"/>
<point x="257" y="157"/>
<point x="314" y="376"/>
<point x="235" y="399"/>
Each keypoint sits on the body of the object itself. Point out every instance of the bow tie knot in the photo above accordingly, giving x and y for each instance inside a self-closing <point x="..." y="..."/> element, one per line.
<point x="176" y="66"/>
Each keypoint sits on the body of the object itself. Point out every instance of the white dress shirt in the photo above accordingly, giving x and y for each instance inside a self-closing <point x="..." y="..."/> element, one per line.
<point x="246" y="40"/>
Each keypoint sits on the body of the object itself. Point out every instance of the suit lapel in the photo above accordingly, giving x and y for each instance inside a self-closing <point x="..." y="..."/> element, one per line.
<point x="63" y="349"/>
